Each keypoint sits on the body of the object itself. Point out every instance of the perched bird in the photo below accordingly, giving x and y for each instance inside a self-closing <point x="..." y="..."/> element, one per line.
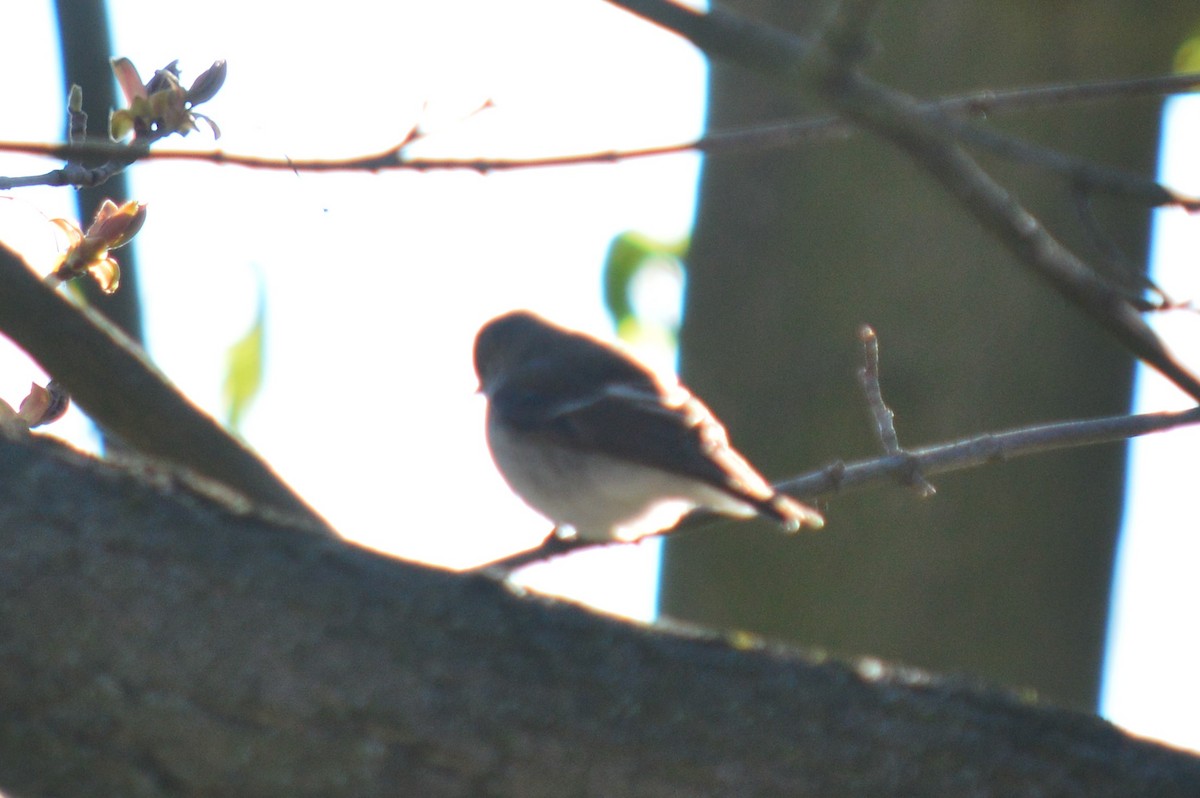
<point x="594" y="441"/>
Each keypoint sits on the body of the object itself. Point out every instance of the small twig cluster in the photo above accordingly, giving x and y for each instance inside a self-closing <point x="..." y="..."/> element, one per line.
<point x="155" y="109"/>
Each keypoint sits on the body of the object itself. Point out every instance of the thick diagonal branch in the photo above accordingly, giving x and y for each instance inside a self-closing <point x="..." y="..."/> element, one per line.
<point x="109" y="377"/>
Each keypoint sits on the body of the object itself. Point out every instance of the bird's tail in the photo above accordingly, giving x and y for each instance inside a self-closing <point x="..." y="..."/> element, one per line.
<point x="790" y="513"/>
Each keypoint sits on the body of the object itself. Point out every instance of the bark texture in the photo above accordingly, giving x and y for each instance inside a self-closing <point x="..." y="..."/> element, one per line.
<point x="155" y="641"/>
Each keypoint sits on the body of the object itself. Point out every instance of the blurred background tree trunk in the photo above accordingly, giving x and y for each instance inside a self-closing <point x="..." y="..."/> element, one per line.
<point x="1005" y="573"/>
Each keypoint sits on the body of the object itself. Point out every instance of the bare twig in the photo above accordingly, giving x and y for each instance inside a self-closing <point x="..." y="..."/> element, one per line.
<point x="993" y="447"/>
<point x="770" y="136"/>
<point x="1141" y="291"/>
<point x="1079" y="172"/>
<point x="74" y="174"/>
<point x="846" y="32"/>
<point x="868" y="377"/>
<point x="884" y="418"/>
<point x="552" y="546"/>
<point x="988" y="102"/>
<point x="987" y="448"/>
<point x="76" y="117"/>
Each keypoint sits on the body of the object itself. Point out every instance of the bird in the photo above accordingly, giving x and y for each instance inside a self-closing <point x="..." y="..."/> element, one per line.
<point x="607" y="450"/>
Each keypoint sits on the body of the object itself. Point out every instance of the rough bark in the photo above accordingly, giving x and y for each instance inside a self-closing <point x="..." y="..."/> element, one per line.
<point x="157" y="642"/>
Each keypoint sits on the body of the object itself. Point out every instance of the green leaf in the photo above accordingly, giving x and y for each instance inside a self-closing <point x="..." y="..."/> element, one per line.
<point x="628" y="254"/>
<point x="1187" y="57"/>
<point x="244" y="367"/>
<point x="120" y="125"/>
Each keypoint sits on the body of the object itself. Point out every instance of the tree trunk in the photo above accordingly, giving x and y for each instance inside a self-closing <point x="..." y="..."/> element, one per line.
<point x="1005" y="573"/>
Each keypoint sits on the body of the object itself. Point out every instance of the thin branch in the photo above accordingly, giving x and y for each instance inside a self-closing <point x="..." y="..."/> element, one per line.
<point x="847" y="31"/>
<point x="884" y="418"/>
<point x="868" y="377"/>
<point x="74" y="173"/>
<point x="1141" y="291"/>
<point x="552" y="546"/>
<point x="992" y="447"/>
<point x="987" y="448"/>
<point x="1079" y="172"/>
<point x="76" y="117"/>
<point x="760" y="137"/>
<point x="1057" y="95"/>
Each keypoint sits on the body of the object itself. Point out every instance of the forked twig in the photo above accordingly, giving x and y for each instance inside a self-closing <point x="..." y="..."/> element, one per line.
<point x="885" y="419"/>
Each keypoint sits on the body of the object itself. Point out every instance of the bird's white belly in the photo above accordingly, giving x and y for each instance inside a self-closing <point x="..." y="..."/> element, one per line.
<point x="600" y="497"/>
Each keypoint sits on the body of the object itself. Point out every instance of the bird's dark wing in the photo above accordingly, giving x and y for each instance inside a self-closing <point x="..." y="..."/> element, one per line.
<point x="635" y="423"/>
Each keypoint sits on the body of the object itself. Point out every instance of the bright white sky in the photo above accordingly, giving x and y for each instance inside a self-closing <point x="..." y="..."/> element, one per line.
<point x="376" y="284"/>
<point x="1150" y="683"/>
